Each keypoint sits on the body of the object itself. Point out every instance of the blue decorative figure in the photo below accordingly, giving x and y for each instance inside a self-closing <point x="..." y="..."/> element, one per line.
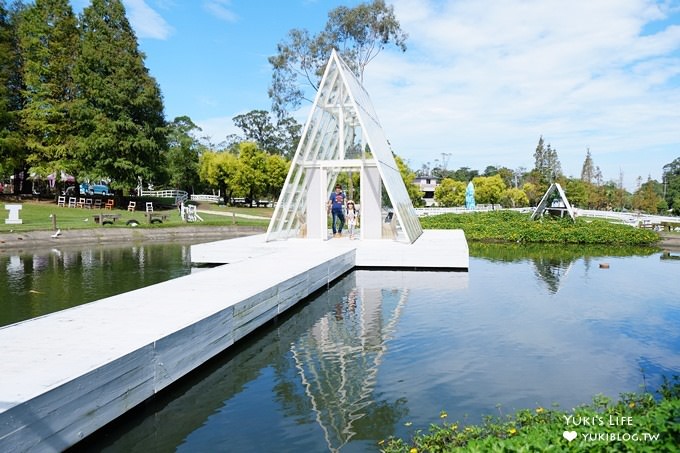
<point x="470" y="196"/>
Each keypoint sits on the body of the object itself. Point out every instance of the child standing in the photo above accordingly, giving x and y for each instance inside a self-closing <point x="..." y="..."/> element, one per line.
<point x="352" y="218"/>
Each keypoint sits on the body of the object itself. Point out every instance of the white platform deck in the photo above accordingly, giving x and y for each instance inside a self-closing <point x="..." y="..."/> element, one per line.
<point x="67" y="374"/>
<point x="435" y="249"/>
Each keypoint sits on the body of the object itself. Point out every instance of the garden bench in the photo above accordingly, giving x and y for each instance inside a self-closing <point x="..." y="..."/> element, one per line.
<point x="154" y="217"/>
<point x="670" y="226"/>
<point x="106" y="219"/>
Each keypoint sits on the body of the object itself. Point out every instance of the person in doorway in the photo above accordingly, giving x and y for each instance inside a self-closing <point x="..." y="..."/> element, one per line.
<point x="352" y="218"/>
<point x="336" y="206"/>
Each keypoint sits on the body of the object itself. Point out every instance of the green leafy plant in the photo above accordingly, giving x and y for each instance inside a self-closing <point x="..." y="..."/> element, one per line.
<point x="636" y="422"/>
<point x="510" y="226"/>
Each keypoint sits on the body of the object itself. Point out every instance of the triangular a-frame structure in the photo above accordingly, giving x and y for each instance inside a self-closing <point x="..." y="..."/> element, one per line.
<point x="558" y="205"/>
<point x="342" y="133"/>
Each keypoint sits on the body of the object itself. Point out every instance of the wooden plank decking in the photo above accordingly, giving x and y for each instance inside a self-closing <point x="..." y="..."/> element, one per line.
<point x="67" y="374"/>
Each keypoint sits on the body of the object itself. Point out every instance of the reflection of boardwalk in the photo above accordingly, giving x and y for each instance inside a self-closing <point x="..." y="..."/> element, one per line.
<point x="339" y="358"/>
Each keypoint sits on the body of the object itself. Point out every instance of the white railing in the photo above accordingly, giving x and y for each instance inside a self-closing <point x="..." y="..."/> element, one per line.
<point x="180" y="196"/>
<point x="629" y="218"/>
<point x="423" y="212"/>
<point x="208" y="198"/>
<point x="632" y="218"/>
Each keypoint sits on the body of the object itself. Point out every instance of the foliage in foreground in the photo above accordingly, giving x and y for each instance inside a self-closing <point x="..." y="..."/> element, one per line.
<point x="637" y="422"/>
<point x="510" y="226"/>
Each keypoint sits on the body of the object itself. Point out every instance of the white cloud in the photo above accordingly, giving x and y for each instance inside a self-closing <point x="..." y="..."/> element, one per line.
<point x="483" y="79"/>
<point x="217" y="129"/>
<point x="146" y="21"/>
<point x="221" y="9"/>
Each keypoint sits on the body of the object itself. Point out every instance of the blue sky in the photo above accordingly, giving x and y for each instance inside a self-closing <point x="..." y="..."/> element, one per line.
<point x="480" y="82"/>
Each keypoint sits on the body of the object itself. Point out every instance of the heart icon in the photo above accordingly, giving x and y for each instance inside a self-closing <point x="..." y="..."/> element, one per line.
<point x="569" y="435"/>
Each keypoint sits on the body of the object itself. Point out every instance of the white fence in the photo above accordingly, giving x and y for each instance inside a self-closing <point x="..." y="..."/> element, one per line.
<point x="629" y="218"/>
<point x="180" y="196"/>
<point x="208" y="198"/>
<point x="424" y="212"/>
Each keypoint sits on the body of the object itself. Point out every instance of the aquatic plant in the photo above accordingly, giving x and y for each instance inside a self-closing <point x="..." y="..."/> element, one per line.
<point x="510" y="226"/>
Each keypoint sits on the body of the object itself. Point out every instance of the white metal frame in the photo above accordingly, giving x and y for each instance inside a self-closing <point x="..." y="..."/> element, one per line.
<point x="341" y="132"/>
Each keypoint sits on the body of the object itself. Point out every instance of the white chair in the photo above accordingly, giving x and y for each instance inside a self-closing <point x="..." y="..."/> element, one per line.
<point x="61" y="201"/>
<point x="132" y="206"/>
<point x="149" y="206"/>
<point x="71" y="202"/>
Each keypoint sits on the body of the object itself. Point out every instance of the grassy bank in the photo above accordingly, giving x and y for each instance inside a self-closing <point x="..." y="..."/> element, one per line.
<point x="509" y="226"/>
<point x="496" y="226"/>
<point x="636" y="422"/>
<point x="37" y="216"/>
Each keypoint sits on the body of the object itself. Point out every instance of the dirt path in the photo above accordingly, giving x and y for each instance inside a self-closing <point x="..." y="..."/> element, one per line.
<point x="232" y="214"/>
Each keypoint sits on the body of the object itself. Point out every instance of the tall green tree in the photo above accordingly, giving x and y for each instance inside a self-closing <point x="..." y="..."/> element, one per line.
<point x="218" y="169"/>
<point x="450" y="193"/>
<point x="648" y="197"/>
<point x="280" y="137"/>
<point x="11" y="144"/>
<point x="184" y="151"/>
<point x="671" y="185"/>
<point x="250" y="180"/>
<point x="49" y="42"/>
<point x="276" y="170"/>
<point x="546" y="162"/>
<point x="589" y="172"/>
<point x="464" y="174"/>
<point x="577" y="192"/>
<point x="124" y="131"/>
<point x="533" y="192"/>
<point x="489" y="189"/>
<point x="514" y="198"/>
<point x="358" y="34"/>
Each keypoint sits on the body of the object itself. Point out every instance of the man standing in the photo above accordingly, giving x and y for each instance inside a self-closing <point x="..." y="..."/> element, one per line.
<point x="336" y="205"/>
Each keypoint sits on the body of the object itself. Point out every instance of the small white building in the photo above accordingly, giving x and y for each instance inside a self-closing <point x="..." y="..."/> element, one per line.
<point x="427" y="184"/>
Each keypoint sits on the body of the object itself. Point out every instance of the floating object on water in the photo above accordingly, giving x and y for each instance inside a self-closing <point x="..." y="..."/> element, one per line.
<point x="57" y="233"/>
<point x="604" y="265"/>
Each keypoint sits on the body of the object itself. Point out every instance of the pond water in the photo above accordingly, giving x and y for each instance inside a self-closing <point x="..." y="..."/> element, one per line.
<point x="383" y="353"/>
<point x="35" y="283"/>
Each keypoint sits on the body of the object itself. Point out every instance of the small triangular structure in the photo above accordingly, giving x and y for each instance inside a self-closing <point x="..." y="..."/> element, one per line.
<point x="557" y="205"/>
<point x="343" y="133"/>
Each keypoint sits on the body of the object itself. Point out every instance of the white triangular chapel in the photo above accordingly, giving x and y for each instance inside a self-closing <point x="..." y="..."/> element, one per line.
<point x="558" y="205"/>
<point x="342" y="133"/>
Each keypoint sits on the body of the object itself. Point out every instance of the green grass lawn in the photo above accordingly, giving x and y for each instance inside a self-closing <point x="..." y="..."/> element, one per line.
<point x="36" y="216"/>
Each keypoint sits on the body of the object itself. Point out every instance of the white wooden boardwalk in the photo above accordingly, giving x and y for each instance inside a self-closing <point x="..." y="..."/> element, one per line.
<point x="435" y="249"/>
<point x="67" y="374"/>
